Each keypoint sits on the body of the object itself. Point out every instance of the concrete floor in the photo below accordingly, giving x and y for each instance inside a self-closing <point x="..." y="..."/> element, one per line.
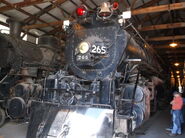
<point x="13" y="130"/>
<point x="154" y="128"/>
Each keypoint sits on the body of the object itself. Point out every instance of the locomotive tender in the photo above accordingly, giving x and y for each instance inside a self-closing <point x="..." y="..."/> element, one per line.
<point x="107" y="86"/>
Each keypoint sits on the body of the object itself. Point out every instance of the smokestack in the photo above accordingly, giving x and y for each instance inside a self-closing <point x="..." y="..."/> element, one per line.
<point x="15" y="27"/>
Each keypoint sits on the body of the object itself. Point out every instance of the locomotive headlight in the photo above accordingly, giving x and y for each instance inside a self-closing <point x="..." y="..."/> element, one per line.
<point x="83" y="47"/>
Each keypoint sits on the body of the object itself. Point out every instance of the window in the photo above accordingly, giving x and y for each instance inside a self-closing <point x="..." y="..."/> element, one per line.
<point x="25" y="38"/>
<point x="4" y="29"/>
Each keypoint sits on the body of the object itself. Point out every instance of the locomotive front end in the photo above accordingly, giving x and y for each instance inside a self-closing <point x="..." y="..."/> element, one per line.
<point x="93" y="52"/>
<point x="101" y="92"/>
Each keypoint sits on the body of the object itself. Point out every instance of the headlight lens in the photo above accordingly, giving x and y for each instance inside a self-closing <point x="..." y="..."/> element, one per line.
<point x="83" y="47"/>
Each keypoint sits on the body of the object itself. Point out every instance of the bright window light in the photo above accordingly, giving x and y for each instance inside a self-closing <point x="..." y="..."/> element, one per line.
<point x="25" y="37"/>
<point x="4" y="29"/>
<point x="37" y="40"/>
<point x="126" y="15"/>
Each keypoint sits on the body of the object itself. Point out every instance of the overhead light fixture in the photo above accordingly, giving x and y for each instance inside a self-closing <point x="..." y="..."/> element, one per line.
<point x="178" y="76"/>
<point x="173" y="44"/>
<point x="177" y="72"/>
<point x="176" y="64"/>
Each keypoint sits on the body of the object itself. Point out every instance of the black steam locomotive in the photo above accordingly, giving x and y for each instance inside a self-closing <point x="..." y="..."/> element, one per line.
<point x="22" y="65"/>
<point x="107" y="86"/>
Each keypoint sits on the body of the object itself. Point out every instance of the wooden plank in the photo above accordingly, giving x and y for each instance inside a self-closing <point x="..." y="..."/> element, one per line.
<point x="162" y="26"/>
<point x="22" y="4"/>
<point x="165" y="38"/>
<point x="161" y="8"/>
<point x="55" y="23"/>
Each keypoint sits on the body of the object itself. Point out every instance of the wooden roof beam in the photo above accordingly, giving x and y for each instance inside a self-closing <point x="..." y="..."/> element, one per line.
<point x="47" y="13"/>
<point x="23" y="11"/>
<point x="161" y="8"/>
<point x="43" y="11"/>
<point x="22" y="4"/>
<point x="55" y="23"/>
<point x="165" y="38"/>
<point x="162" y="26"/>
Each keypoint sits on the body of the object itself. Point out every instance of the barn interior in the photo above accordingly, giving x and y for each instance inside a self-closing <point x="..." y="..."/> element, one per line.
<point x="25" y="24"/>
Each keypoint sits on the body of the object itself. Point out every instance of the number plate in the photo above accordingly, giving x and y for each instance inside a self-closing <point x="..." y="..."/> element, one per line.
<point x="82" y="58"/>
<point x="98" y="49"/>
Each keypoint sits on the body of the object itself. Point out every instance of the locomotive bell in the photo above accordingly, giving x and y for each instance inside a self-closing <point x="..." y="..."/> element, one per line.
<point x="105" y="9"/>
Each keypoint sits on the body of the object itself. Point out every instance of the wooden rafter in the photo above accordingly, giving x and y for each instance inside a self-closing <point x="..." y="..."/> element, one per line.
<point x="47" y="13"/>
<point x="162" y="26"/>
<point x="43" y="11"/>
<point x="61" y="9"/>
<point x="23" y="11"/>
<point x="165" y="38"/>
<point x="70" y="15"/>
<point x="55" y="23"/>
<point x="22" y="4"/>
<point x="161" y="8"/>
<point x="157" y="27"/>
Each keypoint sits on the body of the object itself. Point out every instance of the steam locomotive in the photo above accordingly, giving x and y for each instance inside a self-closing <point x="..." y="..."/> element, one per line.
<point x="22" y="65"/>
<point x="107" y="85"/>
